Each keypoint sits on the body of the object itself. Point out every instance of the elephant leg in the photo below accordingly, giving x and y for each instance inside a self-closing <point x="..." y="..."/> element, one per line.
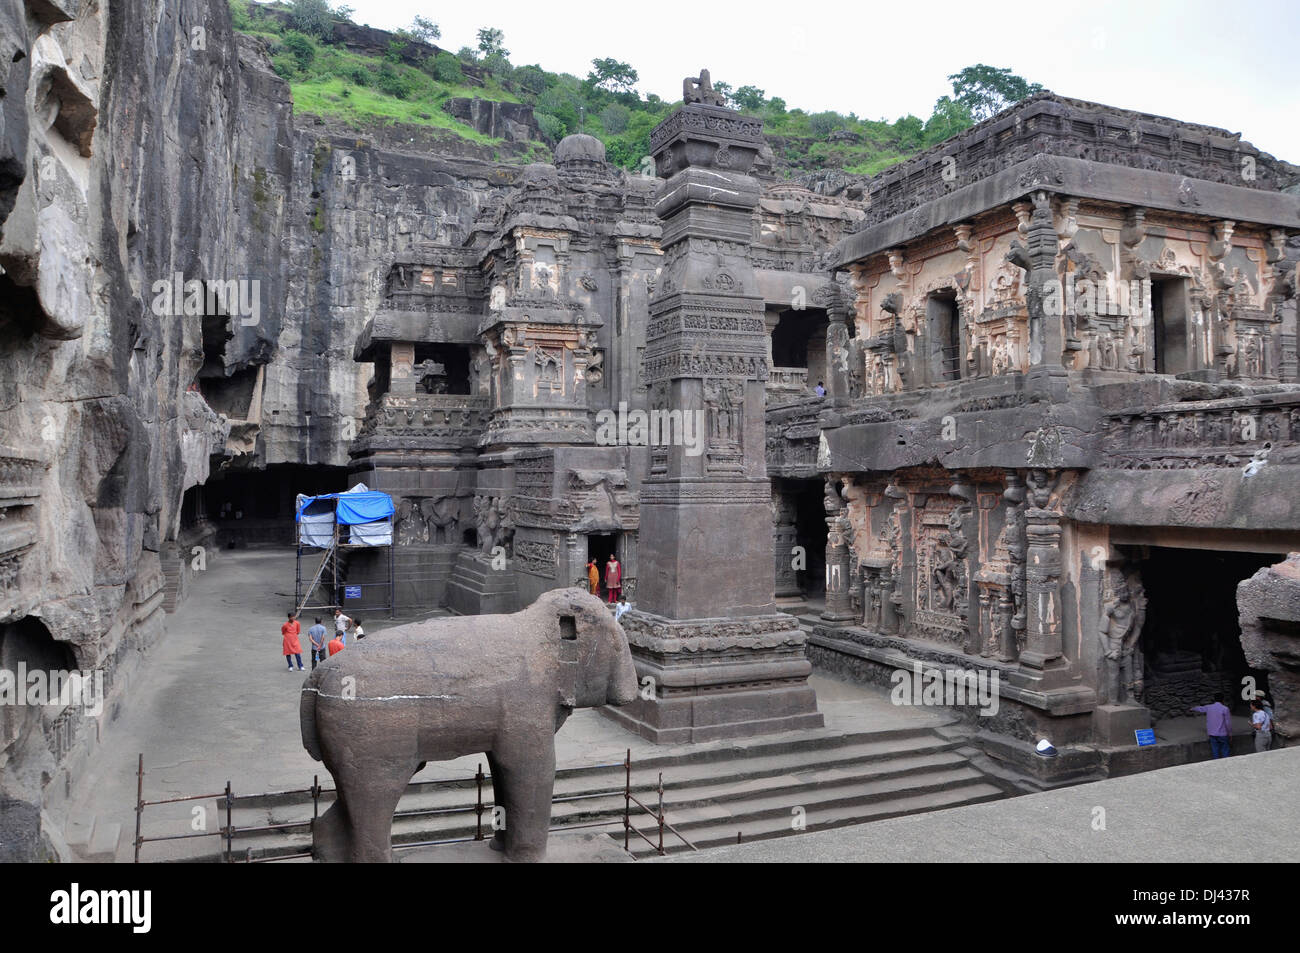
<point x="330" y="834"/>
<point x="527" y="765"/>
<point x="370" y="793"/>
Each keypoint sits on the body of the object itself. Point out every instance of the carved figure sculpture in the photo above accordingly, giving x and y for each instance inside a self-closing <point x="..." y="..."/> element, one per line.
<point x="441" y="515"/>
<point x="699" y="89"/>
<point x="1119" y="631"/>
<point x="443" y="688"/>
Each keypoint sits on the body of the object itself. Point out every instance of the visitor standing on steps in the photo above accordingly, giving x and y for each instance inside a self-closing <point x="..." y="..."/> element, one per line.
<point x="289" y="643"/>
<point x="316" y="634"/>
<point x="593" y="576"/>
<point x="1218" y="725"/>
<point x="613" y="578"/>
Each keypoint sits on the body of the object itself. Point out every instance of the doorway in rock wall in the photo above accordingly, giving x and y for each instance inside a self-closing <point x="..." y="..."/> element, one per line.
<point x="600" y="546"/>
<point x="1191" y="641"/>
<point x="810" y="534"/>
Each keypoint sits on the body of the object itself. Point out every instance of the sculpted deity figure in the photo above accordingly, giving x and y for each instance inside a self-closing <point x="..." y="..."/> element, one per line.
<point x="1121" y="626"/>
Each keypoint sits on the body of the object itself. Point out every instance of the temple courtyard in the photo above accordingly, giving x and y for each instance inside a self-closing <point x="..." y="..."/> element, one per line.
<point x="214" y="703"/>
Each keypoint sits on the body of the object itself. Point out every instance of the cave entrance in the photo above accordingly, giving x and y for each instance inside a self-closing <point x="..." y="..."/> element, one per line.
<point x="442" y="368"/>
<point x="600" y="546"/>
<point x="798" y="342"/>
<point x="1191" y="640"/>
<point x="256" y="507"/>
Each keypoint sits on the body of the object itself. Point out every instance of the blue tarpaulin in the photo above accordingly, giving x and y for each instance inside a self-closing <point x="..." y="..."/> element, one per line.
<point x="355" y="506"/>
<point x="367" y="513"/>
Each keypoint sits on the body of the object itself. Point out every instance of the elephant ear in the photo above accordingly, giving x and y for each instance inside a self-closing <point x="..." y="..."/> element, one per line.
<point x="567" y="657"/>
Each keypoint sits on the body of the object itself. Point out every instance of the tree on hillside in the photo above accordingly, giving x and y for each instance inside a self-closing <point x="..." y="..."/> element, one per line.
<point x="491" y="43"/>
<point x="949" y="118"/>
<point x="422" y="28"/>
<point x="823" y="124"/>
<point x="748" y="97"/>
<point x="611" y="75"/>
<point x="316" y="17"/>
<point x="987" y="90"/>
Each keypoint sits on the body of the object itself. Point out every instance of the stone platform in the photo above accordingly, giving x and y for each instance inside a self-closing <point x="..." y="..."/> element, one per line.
<point x="1209" y="812"/>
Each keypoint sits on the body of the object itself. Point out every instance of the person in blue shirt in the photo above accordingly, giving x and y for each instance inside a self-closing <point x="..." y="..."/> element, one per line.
<point x="317" y="635"/>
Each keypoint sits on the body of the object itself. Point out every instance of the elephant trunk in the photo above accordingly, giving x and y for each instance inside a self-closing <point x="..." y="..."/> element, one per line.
<point x="307" y="715"/>
<point x="622" y="682"/>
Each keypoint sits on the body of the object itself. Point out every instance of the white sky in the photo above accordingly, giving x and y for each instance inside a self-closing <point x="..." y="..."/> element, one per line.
<point x="1229" y="64"/>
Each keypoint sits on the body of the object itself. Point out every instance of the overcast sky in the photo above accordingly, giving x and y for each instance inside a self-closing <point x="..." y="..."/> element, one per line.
<point x="1234" y="65"/>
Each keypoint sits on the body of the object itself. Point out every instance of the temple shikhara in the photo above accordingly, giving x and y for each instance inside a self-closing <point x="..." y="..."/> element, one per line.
<point x="1025" y="405"/>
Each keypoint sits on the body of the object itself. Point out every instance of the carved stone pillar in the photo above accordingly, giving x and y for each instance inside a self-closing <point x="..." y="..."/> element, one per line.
<point x="1038" y="257"/>
<point x="837" y="344"/>
<point x="1043" y="568"/>
<point x="839" y="600"/>
<point x="402" y="368"/>
<point x="706" y="631"/>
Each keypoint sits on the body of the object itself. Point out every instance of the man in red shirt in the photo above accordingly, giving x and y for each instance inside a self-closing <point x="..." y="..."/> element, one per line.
<point x="336" y="645"/>
<point x="290" y="645"/>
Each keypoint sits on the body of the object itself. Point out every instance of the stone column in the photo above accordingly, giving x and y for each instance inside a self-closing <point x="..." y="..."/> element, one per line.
<point x="1043" y="568"/>
<point x="706" y="617"/>
<point x="837" y="345"/>
<point x="839" y="600"/>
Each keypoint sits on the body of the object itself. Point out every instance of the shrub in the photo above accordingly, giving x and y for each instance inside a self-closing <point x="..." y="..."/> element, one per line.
<point x="392" y="82"/>
<point x="446" y="69"/>
<point x="551" y="126"/>
<point x="302" y="49"/>
<point x="823" y="124"/>
<point x="615" y="118"/>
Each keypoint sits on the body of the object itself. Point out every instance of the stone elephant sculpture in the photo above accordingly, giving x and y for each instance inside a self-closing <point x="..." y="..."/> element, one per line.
<point x="444" y="688"/>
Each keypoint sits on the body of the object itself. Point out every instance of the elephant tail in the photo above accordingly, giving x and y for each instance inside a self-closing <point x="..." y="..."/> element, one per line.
<point x="307" y="714"/>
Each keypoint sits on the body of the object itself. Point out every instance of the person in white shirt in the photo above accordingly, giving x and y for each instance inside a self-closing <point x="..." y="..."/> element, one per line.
<point x="1262" y="722"/>
<point x="341" y="623"/>
<point x="620" y="609"/>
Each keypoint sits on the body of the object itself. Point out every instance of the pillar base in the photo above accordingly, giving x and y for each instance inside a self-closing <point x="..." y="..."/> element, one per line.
<point x="717" y="678"/>
<point x="1114" y="725"/>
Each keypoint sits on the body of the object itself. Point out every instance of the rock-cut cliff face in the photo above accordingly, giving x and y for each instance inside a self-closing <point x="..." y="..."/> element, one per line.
<point x="184" y="272"/>
<point x="118" y="131"/>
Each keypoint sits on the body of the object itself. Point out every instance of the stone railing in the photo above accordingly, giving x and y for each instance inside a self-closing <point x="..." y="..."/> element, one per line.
<point x="1223" y="432"/>
<point x="431" y="415"/>
<point x="788" y="382"/>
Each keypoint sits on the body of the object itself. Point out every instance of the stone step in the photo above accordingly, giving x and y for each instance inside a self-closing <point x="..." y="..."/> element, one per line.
<point x="680" y="767"/>
<point x="809" y="787"/>
<point x="750" y="785"/>
<point x="724" y="831"/>
<point x="77" y="830"/>
<point x="679" y="780"/>
<point x="104" y="842"/>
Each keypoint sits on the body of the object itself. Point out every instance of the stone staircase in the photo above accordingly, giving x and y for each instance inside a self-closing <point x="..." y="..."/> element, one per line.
<point x="93" y="839"/>
<point x="754" y="788"/>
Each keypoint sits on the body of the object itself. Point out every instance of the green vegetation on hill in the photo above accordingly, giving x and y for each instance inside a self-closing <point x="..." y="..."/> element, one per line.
<point x="409" y="81"/>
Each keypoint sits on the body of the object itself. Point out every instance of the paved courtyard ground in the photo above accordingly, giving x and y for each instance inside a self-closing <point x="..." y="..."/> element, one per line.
<point x="1235" y="809"/>
<point x="215" y="703"/>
